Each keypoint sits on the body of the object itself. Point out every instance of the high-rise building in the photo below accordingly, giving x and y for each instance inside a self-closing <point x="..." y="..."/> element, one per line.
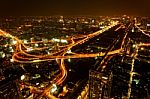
<point x="9" y="85"/>
<point x="99" y="85"/>
<point x="9" y="89"/>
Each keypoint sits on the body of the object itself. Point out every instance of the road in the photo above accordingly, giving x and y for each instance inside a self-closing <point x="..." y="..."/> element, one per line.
<point x="30" y="58"/>
<point x="22" y="55"/>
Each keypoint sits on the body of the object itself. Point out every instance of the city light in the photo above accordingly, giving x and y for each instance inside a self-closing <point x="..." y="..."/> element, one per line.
<point x="54" y="88"/>
<point x="11" y="49"/>
<point x="25" y="41"/>
<point x="37" y="83"/>
<point x="36" y="45"/>
<point x="2" y="54"/>
<point x="142" y="48"/>
<point x="86" y="57"/>
<point x="63" y="41"/>
<point x="60" y="40"/>
<point x="136" y="81"/>
<point x="29" y="49"/>
<point x="11" y="60"/>
<point x="69" y="60"/>
<point x="22" y="77"/>
<point x="42" y="85"/>
<point x="69" y="52"/>
<point x="13" y="42"/>
<point x="134" y="45"/>
<point x="36" y="76"/>
<point x="56" y="40"/>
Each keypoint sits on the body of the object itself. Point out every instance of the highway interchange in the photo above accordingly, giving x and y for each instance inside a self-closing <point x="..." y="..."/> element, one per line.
<point x="21" y="55"/>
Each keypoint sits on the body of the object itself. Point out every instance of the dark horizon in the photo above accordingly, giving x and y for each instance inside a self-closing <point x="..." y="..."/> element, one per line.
<point x="74" y="8"/>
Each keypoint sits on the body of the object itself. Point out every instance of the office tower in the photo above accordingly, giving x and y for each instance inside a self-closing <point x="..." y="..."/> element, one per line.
<point x="99" y="85"/>
<point x="9" y="89"/>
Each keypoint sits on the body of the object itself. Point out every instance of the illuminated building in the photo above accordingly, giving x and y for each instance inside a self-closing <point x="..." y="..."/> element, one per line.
<point x="99" y="85"/>
<point x="9" y="90"/>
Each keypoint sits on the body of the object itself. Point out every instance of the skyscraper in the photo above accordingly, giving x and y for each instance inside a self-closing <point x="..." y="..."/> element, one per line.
<point x="9" y="89"/>
<point x="99" y="85"/>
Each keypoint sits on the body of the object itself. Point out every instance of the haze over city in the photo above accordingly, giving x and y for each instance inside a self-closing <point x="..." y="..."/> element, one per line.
<point x="75" y="7"/>
<point x="74" y="49"/>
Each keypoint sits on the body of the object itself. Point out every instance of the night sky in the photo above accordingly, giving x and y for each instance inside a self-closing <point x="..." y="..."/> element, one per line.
<point x="75" y="7"/>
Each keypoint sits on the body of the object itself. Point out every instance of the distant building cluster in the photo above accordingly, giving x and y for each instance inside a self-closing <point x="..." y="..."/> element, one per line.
<point x="74" y="57"/>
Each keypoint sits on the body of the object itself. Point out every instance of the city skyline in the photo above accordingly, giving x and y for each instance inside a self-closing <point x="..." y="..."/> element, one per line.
<point x="73" y="57"/>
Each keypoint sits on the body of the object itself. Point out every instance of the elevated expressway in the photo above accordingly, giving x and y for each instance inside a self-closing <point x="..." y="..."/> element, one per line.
<point x="23" y="56"/>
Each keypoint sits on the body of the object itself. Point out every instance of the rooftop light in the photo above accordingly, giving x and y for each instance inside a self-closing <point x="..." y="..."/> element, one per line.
<point x="22" y="77"/>
<point x="36" y="45"/>
<point x="142" y="48"/>
<point x="13" y="42"/>
<point x="54" y="88"/>
<point x="63" y="41"/>
<point x="29" y="49"/>
<point x="11" y="60"/>
<point x="25" y="41"/>
<point x="2" y="54"/>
